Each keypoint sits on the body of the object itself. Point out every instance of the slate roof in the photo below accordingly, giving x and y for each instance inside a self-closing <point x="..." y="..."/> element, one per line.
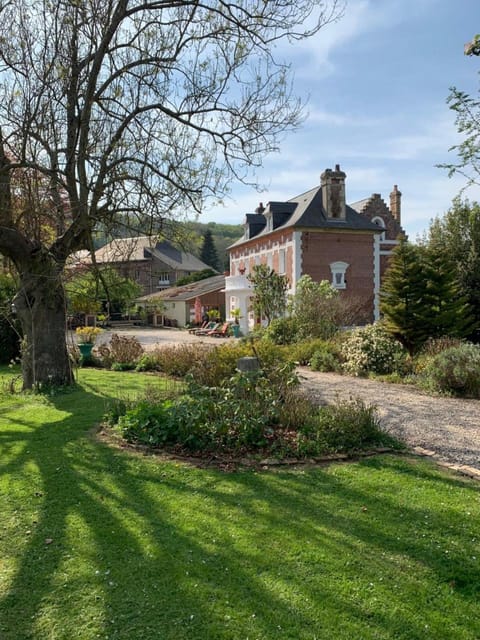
<point x="143" y="248"/>
<point x="187" y="291"/>
<point x="306" y="211"/>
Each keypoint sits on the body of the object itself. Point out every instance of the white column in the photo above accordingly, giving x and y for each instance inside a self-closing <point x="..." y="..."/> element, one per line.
<point x="376" y="276"/>
<point x="240" y="288"/>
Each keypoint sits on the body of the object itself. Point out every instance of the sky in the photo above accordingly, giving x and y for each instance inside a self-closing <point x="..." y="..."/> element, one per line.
<point x="376" y="84"/>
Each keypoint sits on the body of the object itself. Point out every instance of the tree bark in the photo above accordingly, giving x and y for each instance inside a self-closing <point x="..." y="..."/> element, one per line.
<point x="41" y="309"/>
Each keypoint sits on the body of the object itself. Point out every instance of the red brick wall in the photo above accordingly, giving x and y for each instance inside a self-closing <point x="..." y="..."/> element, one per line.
<point x="377" y="207"/>
<point x="249" y="250"/>
<point x="320" y="249"/>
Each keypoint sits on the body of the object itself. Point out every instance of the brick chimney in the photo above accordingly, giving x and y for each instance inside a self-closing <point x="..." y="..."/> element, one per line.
<point x="396" y="204"/>
<point x="333" y="193"/>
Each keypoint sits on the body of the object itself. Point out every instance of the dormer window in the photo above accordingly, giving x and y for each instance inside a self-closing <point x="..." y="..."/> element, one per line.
<point x="338" y="270"/>
<point x="380" y="222"/>
<point x="269" y="221"/>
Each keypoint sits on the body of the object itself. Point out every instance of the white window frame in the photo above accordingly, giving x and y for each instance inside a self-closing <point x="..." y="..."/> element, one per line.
<point x="282" y="261"/>
<point x="380" y="222"/>
<point x="338" y="270"/>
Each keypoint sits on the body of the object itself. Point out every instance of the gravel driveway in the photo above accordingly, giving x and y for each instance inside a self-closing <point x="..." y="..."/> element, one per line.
<point x="447" y="428"/>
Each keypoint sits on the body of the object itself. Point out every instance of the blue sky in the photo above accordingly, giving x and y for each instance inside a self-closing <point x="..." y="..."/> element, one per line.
<point x="376" y="83"/>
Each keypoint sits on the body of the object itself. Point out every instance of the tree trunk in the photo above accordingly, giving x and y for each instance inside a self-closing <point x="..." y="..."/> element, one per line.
<point x="41" y="308"/>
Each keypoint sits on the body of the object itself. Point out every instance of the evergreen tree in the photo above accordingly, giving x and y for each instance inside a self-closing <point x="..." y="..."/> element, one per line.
<point x="421" y="299"/>
<point x="448" y="310"/>
<point x="208" y="253"/>
<point x="456" y="236"/>
<point x="401" y="297"/>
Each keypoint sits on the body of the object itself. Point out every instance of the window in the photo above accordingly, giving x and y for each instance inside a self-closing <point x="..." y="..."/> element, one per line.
<point x="281" y="261"/>
<point x="380" y="222"/>
<point x="338" y="270"/>
<point x="164" y="279"/>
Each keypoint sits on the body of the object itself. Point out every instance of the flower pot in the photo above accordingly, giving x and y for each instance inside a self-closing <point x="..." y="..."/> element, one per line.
<point x="85" y="351"/>
<point x="236" y="330"/>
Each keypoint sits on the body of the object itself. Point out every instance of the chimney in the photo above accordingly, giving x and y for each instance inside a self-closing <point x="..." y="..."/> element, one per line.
<point x="396" y="204"/>
<point x="333" y="192"/>
<point x="260" y="208"/>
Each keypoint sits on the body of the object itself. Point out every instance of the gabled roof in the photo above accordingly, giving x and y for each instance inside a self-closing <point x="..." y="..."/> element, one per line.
<point x="304" y="211"/>
<point x="187" y="291"/>
<point x="142" y="248"/>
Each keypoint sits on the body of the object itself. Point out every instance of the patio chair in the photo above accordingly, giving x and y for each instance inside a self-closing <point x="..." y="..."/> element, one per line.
<point x="212" y="326"/>
<point x="223" y="332"/>
<point x="204" y="325"/>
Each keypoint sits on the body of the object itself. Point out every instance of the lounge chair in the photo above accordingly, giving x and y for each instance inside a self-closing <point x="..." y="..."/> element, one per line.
<point x="223" y="332"/>
<point x="204" y="325"/>
<point x="212" y="326"/>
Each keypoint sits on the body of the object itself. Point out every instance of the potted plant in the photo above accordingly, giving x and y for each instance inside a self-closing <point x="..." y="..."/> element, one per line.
<point x="236" y="315"/>
<point x="86" y="339"/>
<point x="214" y="315"/>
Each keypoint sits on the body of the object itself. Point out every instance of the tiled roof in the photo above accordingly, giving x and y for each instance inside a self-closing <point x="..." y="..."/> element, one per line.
<point x="143" y="248"/>
<point x="306" y="211"/>
<point x="188" y="291"/>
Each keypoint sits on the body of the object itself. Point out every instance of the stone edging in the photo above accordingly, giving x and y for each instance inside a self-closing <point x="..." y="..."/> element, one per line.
<point x="463" y="469"/>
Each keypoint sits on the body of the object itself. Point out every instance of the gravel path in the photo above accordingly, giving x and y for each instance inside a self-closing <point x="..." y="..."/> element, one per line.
<point x="447" y="427"/>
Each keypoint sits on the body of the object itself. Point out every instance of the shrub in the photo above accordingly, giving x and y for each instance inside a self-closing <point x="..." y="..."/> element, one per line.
<point x="326" y="358"/>
<point x="455" y="371"/>
<point x="348" y="425"/>
<point x="175" y="360"/>
<point x="282" y="331"/>
<point x="151" y="424"/>
<point x="369" y="349"/>
<point x="437" y="345"/>
<point x="122" y="352"/>
<point x="302" y="352"/>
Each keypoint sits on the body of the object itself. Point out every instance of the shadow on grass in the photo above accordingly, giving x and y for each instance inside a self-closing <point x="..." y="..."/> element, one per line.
<point x="124" y="546"/>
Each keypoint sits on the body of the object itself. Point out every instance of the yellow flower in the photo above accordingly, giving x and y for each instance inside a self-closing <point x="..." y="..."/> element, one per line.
<point x="87" y="335"/>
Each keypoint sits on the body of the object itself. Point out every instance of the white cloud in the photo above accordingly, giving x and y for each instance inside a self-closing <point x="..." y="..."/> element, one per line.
<point x="360" y="17"/>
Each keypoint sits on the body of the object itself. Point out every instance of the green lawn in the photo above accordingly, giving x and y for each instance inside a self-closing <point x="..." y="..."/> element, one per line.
<point x="100" y="543"/>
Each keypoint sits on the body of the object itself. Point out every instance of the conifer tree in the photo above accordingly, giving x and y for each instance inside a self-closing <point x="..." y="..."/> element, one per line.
<point x="208" y="253"/>
<point x="421" y="299"/>
<point x="448" y="311"/>
<point x="456" y="236"/>
<point x="401" y="297"/>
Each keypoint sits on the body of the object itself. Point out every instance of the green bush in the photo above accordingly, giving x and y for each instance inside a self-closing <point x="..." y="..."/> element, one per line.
<point x="326" y="358"/>
<point x="282" y="331"/>
<point x="370" y="349"/>
<point x="234" y="416"/>
<point x="219" y="364"/>
<point x="455" y="371"/>
<point x="348" y="425"/>
<point x="151" y="424"/>
<point x="302" y="352"/>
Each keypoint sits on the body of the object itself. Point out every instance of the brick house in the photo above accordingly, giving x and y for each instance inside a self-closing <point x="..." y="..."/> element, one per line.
<point x="318" y="234"/>
<point x="153" y="265"/>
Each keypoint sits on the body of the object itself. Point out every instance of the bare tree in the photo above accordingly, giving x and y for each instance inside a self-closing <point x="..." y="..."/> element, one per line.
<point x="139" y="109"/>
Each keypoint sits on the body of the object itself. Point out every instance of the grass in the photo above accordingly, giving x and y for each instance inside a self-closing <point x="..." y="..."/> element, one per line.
<point x="100" y="543"/>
